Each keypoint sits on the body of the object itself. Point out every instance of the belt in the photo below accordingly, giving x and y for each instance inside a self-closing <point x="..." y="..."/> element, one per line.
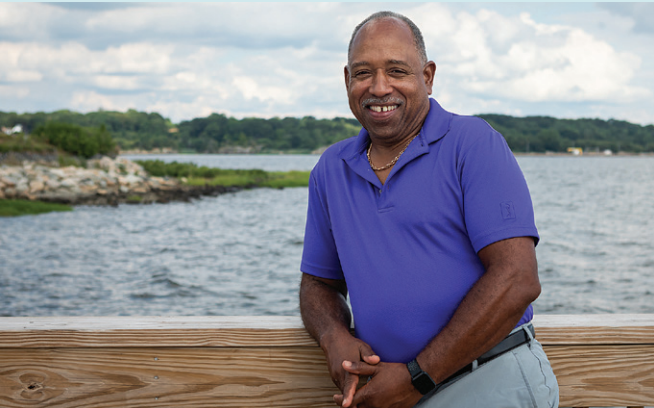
<point x="510" y="342"/>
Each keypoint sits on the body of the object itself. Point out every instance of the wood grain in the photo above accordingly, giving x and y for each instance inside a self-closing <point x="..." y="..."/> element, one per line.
<point x="189" y="377"/>
<point x="594" y="329"/>
<point x="185" y="331"/>
<point x="137" y="362"/>
<point x="158" y="338"/>
<point x="603" y="375"/>
<point x="249" y="331"/>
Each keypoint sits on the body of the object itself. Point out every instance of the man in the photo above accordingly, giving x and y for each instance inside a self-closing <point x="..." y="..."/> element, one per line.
<point x="426" y="220"/>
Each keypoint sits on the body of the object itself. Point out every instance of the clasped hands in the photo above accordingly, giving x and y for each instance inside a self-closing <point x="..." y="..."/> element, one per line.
<point x="389" y="385"/>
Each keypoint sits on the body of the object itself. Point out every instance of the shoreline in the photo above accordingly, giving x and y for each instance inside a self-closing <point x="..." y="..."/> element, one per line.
<point x="535" y="154"/>
<point x="105" y="182"/>
<point x="585" y="154"/>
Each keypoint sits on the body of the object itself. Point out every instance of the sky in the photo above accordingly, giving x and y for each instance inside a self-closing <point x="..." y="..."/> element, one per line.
<point x="187" y="60"/>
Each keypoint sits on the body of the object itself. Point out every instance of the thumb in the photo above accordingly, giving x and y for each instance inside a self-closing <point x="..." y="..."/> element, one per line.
<point x="373" y="359"/>
<point x="359" y="368"/>
<point x="367" y="355"/>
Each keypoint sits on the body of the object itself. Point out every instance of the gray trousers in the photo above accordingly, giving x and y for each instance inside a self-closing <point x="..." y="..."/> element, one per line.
<point x="520" y="378"/>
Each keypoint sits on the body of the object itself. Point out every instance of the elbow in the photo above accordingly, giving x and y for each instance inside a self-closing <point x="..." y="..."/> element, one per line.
<point x="529" y="287"/>
<point x="534" y="291"/>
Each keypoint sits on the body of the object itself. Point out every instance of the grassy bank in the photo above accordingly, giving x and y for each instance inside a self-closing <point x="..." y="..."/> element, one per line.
<point x="201" y="175"/>
<point x="14" y="208"/>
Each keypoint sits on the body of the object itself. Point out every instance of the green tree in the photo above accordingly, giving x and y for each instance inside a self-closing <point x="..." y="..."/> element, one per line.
<point x="550" y="139"/>
<point x="76" y="140"/>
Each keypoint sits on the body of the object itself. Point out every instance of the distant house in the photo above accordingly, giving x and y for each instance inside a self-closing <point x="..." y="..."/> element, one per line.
<point x="10" y="131"/>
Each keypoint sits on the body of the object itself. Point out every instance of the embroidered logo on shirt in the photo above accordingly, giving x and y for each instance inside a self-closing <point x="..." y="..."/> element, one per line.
<point x="508" y="212"/>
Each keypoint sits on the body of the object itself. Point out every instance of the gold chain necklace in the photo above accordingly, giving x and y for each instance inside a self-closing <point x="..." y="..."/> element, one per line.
<point x="392" y="162"/>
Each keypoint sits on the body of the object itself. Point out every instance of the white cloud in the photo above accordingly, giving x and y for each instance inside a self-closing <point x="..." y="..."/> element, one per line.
<point x="516" y="58"/>
<point x="24" y="76"/>
<point x="31" y="19"/>
<point x="91" y="101"/>
<point x="275" y="59"/>
<point x="640" y="13"/>
<point x="199" y="107"/>
<point x="12" y="91"/>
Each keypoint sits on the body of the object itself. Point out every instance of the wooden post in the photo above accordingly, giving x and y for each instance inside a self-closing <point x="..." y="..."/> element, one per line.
<point x="93" y="362"/>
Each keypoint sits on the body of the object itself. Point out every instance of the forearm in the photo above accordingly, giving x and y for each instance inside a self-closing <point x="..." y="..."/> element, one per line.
<point x="486" y="315"/>
<point x="324" y="308"/>
<point x="327" y="317"/>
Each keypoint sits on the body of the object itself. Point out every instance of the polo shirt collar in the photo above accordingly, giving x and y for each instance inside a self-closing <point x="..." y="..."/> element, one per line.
<point x="436" y="125"/>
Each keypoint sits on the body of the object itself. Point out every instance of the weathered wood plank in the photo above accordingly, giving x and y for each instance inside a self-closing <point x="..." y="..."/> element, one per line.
<point x="277" y="376"/>
<point x="603" y="375"/>
<point x="158" y="338"/>
<point x="594" y="320"/>
<point x="105" y="323"/>
<point x="189" y="377"/>
<point x="594" y="329"/>
<point x="605" y="360"/>
<point x="284" y="331"/>
<point x="187" y="331"/>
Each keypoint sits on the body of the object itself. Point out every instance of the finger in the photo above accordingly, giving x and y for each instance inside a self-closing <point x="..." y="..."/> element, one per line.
<point x="366" y="351"/>
<point x="359" y="368"/>
<point x="360" y="397"/>
<point x="374" y="359"/>
<point x="338" y="399"/>
<point x="349" y="388"/>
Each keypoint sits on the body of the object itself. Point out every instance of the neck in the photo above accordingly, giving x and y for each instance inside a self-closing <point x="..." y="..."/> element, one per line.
<point x="389" y="148"/>
<point x="383" y="170"/>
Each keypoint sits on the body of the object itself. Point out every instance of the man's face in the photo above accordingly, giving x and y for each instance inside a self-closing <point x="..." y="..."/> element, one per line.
<point x="387" y="83"/>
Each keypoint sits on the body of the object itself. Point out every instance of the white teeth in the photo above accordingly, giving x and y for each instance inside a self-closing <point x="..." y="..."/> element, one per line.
<point x="382" y="108"/>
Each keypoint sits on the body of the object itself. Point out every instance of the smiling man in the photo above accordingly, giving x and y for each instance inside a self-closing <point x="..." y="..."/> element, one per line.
<point x="425" y="219"/>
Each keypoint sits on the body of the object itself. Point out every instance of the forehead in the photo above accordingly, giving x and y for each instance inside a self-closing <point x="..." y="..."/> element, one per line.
<point x="388" y="36"/>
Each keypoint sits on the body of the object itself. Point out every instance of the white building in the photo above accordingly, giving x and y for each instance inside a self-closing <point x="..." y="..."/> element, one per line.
<point x="10" y="131"/>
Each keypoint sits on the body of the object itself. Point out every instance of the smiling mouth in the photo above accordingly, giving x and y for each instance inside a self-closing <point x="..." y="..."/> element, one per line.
<point x="378" y="108"/>
<point x="387" y="104"/>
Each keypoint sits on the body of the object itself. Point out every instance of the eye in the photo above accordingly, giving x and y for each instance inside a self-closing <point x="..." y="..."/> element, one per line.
<point x="397" y="72"/>
<point x="361" y="73"/>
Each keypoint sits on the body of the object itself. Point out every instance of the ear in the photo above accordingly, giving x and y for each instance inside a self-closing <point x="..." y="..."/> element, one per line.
<point x="429" y="72"/>
<point x="346" y="72"/>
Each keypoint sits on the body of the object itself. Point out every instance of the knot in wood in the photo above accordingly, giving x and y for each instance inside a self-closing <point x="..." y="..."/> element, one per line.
<point x="33" y="386"/>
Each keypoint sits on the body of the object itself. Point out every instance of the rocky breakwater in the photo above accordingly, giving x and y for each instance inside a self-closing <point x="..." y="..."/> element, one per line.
<point x="103" y="182"/>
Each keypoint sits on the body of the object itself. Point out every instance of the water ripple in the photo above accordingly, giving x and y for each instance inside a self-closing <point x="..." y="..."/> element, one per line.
<point x="239" y="253"/>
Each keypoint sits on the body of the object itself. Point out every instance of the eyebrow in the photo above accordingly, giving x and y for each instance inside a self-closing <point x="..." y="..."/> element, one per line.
<point x="390" y="61"/>
<point x="397" y="62"/>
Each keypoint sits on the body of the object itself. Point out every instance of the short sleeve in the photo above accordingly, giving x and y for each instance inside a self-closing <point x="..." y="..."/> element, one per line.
<point x="497" y="203"/>
<point x="319" y="256"/>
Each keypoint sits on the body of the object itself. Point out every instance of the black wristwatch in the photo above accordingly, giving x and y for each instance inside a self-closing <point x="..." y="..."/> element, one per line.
<point x="420" y="379"/>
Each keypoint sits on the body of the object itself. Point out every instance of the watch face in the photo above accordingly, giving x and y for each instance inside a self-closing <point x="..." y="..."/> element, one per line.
<point x="423" y="383"/>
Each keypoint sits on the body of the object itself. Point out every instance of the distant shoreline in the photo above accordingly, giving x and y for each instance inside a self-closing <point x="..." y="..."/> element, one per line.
<point x="535" y="154"/>
<point x="585" y="154"/>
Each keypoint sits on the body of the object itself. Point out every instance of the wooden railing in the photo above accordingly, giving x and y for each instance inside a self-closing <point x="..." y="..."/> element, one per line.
<point x="600" y="360"/>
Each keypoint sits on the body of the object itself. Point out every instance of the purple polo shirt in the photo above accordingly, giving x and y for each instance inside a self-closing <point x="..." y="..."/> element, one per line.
<point x="408" y="249"/>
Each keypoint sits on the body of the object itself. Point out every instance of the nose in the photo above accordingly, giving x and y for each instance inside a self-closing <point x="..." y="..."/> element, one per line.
<point x="380" y="85"/>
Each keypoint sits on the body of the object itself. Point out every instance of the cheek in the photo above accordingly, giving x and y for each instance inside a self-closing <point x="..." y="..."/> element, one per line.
<point x="354" y="98"/>
<point x="357" y="88"/>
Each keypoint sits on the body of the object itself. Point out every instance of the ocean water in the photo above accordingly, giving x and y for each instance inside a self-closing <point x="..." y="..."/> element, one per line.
<point x="239" y="253"/>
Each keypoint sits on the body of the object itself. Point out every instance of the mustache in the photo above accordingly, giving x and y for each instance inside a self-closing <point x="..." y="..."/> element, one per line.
<point x="372" y="101"/>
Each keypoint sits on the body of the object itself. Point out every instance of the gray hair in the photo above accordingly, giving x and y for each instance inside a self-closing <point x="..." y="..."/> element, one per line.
<point x="418" y="41"/>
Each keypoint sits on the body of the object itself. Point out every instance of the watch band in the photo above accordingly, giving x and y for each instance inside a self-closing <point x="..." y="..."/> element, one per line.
<point x="414" y="368"/>
<point x="419" y="378"/>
